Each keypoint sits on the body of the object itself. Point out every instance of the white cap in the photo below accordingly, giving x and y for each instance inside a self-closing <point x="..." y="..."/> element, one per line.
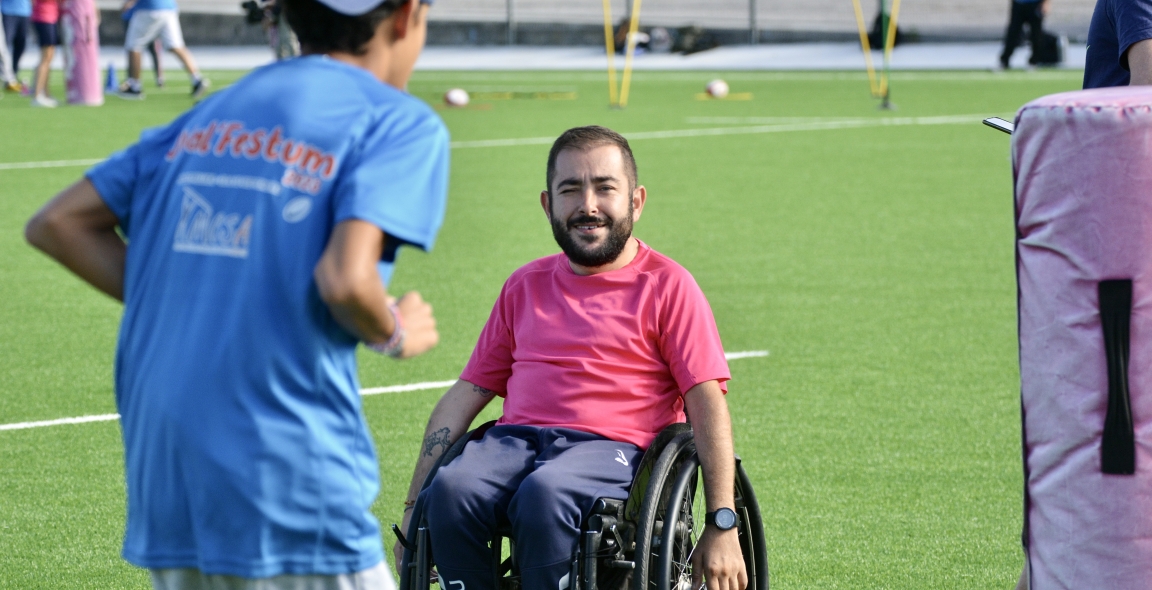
<point x="356" y="7"/>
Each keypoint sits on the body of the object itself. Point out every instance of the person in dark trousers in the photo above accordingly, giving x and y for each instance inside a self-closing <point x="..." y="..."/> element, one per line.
<point x="594" y="350"/>
<point x="1023" y="12"/>
<point x="16" y="16"/>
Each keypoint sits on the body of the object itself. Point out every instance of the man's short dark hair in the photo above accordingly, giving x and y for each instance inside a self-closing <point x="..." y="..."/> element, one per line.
<point x="583" y="138"/>
<point x="322" y="30"/>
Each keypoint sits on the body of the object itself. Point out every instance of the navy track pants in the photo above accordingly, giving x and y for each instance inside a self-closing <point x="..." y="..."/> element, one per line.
<point x="541" y="481"/>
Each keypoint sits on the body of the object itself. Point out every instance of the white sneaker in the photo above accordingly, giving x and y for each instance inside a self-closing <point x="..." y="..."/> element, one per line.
<point x="199" y="86"/>
<point x="41" y="100"/>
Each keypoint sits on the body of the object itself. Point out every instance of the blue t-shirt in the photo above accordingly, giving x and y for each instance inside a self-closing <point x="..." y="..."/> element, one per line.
<point x="155" y="5"/>
<point x="1116" y="25"/>
<point x="16" y="7"/>
<point x="246" y="450"/>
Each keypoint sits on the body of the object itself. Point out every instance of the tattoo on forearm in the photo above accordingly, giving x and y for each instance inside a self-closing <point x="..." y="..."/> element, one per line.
<point x="437" y="439"/>
<point x="484" y="393"/>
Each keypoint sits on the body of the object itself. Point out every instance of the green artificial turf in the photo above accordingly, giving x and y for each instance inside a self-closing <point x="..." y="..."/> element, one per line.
<point x="874" y="263"/>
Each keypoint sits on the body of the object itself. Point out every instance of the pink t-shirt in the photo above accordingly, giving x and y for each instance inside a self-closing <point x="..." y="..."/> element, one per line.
<point x="45" y="11"/>
<point x="611" y="353"/>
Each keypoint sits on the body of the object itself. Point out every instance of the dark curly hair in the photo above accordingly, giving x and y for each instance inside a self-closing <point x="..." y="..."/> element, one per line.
<point x="322" y="30"/>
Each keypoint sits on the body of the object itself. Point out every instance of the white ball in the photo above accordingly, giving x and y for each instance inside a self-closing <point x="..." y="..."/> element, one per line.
<point x="456" y="97"/>
<point x="717" y="89"/>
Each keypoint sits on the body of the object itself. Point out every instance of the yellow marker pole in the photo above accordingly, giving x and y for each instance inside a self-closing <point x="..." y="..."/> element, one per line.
<point x="867" y="47"/>
<point x="889" y="43"/>
<point x="631" y="44"/>
<point x="610" y="47"/>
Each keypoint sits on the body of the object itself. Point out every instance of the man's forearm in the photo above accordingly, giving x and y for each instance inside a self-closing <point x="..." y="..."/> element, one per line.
<point x="77" y="229"/>
<point x="712" y="427"/>
<point x="366" y="314"/>
<point x="450" y="420"/>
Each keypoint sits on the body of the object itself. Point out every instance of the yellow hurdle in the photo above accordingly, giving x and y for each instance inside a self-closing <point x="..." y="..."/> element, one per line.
<point x="620" y="101"/>
<point x="629" y="52"/>
<point x="872" y="86"/>
<point x="610" y="47"/>
<point x="889" y="43"/>
<point x="878" y="87"/>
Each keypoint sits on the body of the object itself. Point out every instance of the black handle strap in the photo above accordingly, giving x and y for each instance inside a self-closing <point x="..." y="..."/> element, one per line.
<point x="1118" y="447"/>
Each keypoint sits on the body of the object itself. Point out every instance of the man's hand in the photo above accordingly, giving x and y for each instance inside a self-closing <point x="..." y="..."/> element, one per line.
<point x="398" y="549"/>
<point x="718" y="562"/>
<point x="420" y="333"/>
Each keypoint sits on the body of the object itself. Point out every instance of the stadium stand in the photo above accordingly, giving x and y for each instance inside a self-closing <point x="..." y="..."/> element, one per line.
<point x="556" y="22"/>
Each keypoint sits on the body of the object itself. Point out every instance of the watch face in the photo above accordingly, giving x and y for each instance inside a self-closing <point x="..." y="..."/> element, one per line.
<point x="725" y="519"/>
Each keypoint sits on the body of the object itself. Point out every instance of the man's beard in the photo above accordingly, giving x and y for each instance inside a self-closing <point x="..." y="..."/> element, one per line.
<point x="607" y="252"/>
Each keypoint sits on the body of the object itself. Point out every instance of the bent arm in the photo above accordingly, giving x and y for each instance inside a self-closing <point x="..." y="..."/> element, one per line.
<point x="78" y="230"/>
<point x="1140" y="63"/>
<point x="350" y="284"/>
<point x="450" y="420"/>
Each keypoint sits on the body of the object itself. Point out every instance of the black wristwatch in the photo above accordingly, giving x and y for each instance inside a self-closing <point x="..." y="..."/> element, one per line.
<point x="723" y="519"/>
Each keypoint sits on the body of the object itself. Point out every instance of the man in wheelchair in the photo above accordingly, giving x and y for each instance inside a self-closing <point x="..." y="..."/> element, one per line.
<point x="594" y="351"/>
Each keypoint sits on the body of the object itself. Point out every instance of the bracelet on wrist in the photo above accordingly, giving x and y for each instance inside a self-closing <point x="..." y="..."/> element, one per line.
<point x="394" y="347"/>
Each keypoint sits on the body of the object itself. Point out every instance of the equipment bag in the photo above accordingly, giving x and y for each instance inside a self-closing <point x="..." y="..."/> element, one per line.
<point x="1049" y="53"/>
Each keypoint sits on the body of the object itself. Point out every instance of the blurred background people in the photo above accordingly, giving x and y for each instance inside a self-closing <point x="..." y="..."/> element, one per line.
<point x="80" y="36"/>
<point x="153" y="47"/>
<point x="16" y="14"/>
<point x="1024" y="12"/>
<point x="7" y="77"/>
<point x="151" y="20"/>
<point x="45" y="15"/>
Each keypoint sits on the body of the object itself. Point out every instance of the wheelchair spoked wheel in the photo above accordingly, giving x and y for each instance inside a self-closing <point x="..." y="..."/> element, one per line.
<point x="674" y="522"/>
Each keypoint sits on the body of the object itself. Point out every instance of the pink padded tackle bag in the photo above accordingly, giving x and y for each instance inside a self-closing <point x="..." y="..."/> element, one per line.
<point x="1083" y="182"/>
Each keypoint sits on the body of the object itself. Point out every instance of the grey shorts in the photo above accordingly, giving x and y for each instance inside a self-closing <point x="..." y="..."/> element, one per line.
<point x="374" y="578"/>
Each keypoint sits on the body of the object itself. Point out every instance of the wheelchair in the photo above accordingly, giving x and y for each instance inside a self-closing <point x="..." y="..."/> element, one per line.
<point x="642" y="543"/>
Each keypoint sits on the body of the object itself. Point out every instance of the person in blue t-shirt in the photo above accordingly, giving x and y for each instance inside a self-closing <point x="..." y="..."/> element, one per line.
<point x="1024" y="12"/>
<point x="16" y="16"/>
<point x="7" y="76"/>
<point x="1119" y="44"/>
<point x="149" y="20"/>
<point x="251" y="241"/>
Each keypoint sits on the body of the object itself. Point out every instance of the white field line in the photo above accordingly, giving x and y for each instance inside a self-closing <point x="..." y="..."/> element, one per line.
<point x="947" y="119"/>
<point x="77" y="420"/>
<point x="50" y="164"/>
<point x="366" y="391"/>
<point x="810" y="125"/>
<point x="803" y="125"/>
<point x="409" y="387"/>
<point x="748" y="354"/>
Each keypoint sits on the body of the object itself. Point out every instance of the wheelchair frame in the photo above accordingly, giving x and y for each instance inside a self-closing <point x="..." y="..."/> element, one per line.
<point x="616" y="532"/>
